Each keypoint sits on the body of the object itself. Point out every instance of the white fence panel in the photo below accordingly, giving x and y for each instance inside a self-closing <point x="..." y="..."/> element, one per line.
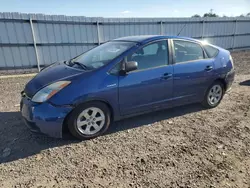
<point x="58" y="37"/>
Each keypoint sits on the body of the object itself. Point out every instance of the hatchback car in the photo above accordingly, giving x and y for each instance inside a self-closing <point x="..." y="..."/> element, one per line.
<point x="122" y="78"/>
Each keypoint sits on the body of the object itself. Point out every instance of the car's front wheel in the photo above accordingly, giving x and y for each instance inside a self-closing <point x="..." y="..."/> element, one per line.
<point x="213" y="95"/>
<point x="89" y="120"/>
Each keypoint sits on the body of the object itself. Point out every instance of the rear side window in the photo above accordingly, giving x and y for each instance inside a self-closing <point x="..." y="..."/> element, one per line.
<point x="211" y="51"/>
<point x="187" y="51"/>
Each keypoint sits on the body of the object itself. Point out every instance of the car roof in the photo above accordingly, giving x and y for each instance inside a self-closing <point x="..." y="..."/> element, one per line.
<point x="149" y="38"/>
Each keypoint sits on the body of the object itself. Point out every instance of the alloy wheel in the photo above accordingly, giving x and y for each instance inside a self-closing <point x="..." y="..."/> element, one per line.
<point x="90" y="121"/>
<point x="215" y="95"/>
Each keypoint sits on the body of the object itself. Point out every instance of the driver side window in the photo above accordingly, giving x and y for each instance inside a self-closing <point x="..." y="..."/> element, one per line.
<point x="151" y="56"/>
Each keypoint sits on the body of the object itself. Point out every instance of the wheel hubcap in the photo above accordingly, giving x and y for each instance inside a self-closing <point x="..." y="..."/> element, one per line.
<point x="215" y="94"/>
<point x="90" y="121"/>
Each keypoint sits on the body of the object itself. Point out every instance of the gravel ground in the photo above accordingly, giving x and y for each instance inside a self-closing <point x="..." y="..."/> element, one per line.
<point x="182" y="147"/>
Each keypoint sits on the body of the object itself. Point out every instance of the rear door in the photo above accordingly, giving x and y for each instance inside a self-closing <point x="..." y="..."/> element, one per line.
<point x="193" y="72"/>
<point x="151" y="85"/>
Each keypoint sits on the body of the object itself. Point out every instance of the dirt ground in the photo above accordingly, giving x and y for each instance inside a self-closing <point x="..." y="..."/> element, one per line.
<point x="182" y="147"/>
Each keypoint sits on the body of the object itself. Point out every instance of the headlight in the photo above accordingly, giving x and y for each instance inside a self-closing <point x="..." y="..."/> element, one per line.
<point x="47" y="92"/>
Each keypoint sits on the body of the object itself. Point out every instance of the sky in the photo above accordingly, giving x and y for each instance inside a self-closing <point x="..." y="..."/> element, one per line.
<point x="127" y="8"/>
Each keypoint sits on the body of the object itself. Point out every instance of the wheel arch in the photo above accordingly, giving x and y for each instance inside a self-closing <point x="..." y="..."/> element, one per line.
<point x="223" y="83"/>
<point x="204" y="102"/>
<point x="221" y="80"/>
<point x="65" y="127"/>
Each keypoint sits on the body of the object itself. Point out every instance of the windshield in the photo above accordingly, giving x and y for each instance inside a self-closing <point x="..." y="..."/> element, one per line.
<point x="101" y="55"/>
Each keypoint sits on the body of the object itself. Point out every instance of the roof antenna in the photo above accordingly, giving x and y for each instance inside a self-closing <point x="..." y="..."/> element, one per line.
<point x="182" y="29"/>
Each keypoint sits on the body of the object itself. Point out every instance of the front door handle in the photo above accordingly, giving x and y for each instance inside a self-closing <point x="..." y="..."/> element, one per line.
<point x="209" y="68"/>
<point x="166" y="76"/>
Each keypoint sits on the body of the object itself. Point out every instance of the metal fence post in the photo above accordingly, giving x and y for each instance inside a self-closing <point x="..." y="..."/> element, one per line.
<point x="98" y="33"/>
<point x="203" y="25"/>
<point x="161" y="27"/>
<point x="235" y="30"/>
<point x="34" y="43"/>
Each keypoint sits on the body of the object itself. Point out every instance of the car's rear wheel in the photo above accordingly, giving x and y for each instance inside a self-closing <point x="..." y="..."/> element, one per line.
<point x="213" y="95"/>
<point x="89" y="120"/>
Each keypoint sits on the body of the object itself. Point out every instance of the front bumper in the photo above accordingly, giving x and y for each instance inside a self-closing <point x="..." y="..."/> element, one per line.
<point x="43" y="118"/>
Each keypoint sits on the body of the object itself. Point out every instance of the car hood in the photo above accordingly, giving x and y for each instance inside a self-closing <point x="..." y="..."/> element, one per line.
<point x="55" y="72"/>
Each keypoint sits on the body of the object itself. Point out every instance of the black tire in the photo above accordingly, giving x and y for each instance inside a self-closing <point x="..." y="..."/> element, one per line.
<point x="72" y="119"/>
<point x="206" y="102"/>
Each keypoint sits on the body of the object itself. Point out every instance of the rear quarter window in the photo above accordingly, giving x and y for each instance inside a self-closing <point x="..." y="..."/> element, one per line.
<point x="211" y="51"/>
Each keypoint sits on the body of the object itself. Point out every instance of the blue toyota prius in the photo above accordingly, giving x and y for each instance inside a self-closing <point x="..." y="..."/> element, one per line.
<point x="122" y="78"/>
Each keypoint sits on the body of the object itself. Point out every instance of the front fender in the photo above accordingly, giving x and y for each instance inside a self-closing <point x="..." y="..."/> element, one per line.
<point x="96" y="86"/>
<point x="112" y="103"/>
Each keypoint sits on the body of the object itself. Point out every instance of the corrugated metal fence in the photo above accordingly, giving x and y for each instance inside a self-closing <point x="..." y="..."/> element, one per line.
<point x="29" y="40"/>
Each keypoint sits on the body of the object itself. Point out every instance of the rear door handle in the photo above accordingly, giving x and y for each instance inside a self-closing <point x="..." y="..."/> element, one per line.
<point x="209" y="68"/>
<point x="166" y="76"/>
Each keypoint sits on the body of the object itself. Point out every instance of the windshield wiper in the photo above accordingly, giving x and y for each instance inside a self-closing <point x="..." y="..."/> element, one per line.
<point x="81" y="65"/>
<point x="78" y="63"/>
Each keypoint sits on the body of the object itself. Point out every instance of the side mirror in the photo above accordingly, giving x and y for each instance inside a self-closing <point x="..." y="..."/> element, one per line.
<point x="131" y="66"/>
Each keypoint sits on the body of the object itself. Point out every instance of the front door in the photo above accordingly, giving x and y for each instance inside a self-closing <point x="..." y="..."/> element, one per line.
<point x="151" y="85"/>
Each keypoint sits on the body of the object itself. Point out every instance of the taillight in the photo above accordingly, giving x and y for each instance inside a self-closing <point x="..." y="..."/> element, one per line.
<point x="231" y="59"/>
